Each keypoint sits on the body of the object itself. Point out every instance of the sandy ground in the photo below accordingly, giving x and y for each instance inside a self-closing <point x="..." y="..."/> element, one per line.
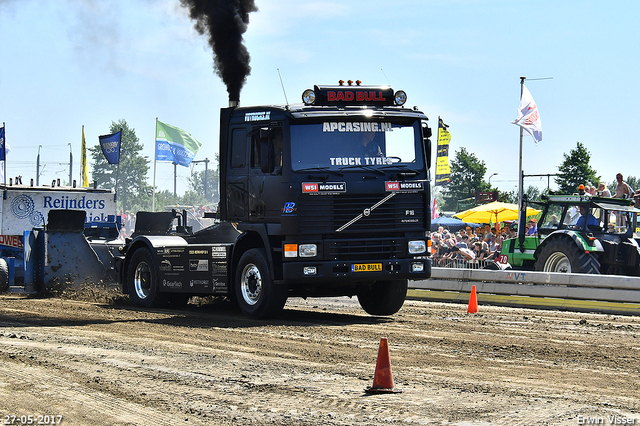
<point x="92" y="359"/>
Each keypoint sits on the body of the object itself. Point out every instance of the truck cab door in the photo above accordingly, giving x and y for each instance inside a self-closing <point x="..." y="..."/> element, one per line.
<point x="237" y="198"/>
<point x="264" y="170"/>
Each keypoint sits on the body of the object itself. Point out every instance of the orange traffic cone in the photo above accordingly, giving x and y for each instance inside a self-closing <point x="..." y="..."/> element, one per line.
<point x="383" y="378"/>
<point x="473" y="302"/>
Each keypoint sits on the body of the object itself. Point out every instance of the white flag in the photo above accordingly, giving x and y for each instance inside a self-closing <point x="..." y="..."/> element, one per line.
<point x="528" y="116"/>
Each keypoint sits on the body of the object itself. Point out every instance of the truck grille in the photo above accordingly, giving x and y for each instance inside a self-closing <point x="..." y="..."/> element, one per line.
<point x="364" y="249"/>
<point x="324" y="214"/>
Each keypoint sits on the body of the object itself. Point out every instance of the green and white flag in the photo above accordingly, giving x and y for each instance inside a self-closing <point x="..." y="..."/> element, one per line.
<point x="175" y="145"/>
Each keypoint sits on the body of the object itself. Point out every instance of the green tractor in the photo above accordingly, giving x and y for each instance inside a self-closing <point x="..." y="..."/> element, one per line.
<point x="578" y="234"/>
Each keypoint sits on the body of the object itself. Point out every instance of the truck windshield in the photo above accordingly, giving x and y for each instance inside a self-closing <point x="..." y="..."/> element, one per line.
<point x="347" y="145"/>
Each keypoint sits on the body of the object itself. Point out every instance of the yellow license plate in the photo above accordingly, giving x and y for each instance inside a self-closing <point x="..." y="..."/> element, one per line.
<point x="366" y="267"/>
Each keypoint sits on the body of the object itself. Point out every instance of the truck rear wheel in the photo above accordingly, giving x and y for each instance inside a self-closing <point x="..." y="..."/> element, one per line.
<point x="563" y="255"/>
<point x="4" y="276"/>
<point x="142" y="281"/>
<point x="257" y="295"/>
<point x="384" y="297"/>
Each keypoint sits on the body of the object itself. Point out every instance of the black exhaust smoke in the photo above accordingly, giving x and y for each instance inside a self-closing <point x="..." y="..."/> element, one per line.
<point x="224" y="22"/>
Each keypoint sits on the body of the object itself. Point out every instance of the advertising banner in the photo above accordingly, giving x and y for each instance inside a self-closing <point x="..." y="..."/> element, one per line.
<point x="443" y="171"/>
<point x="25" y="208"/>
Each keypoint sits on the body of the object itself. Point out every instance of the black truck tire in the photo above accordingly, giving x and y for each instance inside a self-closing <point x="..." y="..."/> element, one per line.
<point x="383" y="297"/>
<point x="142" y="281"/>
<point x="257" y="295"/>
<point x="4" y="276"/>
<point x="563" y="255"/>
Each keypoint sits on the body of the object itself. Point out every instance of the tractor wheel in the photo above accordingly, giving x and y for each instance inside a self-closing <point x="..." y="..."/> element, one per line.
<point x="142" y="281"/>
<point x="563" y="255"/>
<point x="257" y="295"/>
<point x="383" y="297"/>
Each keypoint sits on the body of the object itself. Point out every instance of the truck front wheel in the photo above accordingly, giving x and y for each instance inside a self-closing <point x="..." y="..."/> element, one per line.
<point x="563" y="255"/>
<point x="383" y="297"/>
<point x="142" y="281"/>
<point x="257" y="295"/>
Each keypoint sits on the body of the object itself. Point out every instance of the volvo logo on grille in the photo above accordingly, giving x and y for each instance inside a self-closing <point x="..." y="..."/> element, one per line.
<point x="366" y="212"/>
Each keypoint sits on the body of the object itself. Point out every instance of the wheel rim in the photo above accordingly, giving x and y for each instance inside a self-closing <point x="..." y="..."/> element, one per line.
<point x="557" y="262"/>
<point x="251" y="284"/>
<point x="142" y="280"/>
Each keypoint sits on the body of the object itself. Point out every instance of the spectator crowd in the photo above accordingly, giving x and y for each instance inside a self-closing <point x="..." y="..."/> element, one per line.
<point x="471" y="247"/>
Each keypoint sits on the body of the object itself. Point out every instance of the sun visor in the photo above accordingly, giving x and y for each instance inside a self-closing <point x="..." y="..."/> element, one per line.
<point x="617" y="207"/>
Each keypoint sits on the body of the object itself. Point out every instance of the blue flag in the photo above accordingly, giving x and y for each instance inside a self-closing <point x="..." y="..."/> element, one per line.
<point x="110" y="145"/>
<point x="2" y="146"/>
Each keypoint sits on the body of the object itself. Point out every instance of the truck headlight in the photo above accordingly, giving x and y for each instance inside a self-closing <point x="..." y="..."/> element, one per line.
<point x="308" y="250"/>
<point x="417" y="247"/>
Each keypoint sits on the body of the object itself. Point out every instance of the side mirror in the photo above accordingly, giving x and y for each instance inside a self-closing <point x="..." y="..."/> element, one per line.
<point x="426" y="134"/>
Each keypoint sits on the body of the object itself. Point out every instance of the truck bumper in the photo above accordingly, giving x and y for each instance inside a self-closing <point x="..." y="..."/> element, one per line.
<point x="314" y="272"/>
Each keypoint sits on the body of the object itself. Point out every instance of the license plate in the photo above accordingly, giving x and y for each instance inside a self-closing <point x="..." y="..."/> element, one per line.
<point x="366" y="267"/>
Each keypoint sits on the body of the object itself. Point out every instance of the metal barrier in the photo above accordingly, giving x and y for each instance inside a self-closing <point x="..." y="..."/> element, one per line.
<point x="465" y="264"/>
<point x="534" y="289"/>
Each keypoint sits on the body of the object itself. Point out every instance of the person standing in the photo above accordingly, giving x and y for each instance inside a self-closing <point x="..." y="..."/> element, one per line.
<point x="622" y="188"/>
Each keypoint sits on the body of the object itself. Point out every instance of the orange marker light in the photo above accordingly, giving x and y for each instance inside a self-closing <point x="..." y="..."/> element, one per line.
<point x="290" y="250"/>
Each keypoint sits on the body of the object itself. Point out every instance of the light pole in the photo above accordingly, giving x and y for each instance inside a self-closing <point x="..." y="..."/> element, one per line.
<point x="206" y="176"/>
<point x="70" y="165"/>
<point x="38" y="167"/>
<point x="491" y="177"/>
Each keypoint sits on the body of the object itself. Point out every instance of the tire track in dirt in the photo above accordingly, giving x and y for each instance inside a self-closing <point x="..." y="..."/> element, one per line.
<point x="77" y="403"/>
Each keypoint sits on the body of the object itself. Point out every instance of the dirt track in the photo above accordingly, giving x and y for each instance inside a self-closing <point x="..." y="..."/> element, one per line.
<point x="97" y="361"/>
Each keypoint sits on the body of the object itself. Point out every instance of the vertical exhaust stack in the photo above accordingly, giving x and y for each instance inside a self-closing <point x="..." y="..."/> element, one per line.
<point x="224" y="22"/>
<point x="233" y="104"/>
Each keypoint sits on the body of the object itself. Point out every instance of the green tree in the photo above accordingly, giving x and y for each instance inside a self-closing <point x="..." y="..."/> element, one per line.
<point x="467" y="177"/>
<point x="575" y="170"/>
<point x="533" y="194"/>
<point x="165" y="200"/>
<point x="133" y="191"/>
<point x="197" y="183"/>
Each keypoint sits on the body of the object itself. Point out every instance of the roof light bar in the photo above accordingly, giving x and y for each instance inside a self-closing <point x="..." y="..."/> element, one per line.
<point x="353" y="95"/>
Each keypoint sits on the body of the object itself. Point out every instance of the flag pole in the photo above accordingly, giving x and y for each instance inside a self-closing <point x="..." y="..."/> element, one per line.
<point x="118" y="167"/>
<point x="83" y="158"/>
<point x="522" y="215"/>
<point x="4" y="155"/>
<point x="520" y="171"/>
<point x="155" y="154"/>
<point x="4" y="163"/>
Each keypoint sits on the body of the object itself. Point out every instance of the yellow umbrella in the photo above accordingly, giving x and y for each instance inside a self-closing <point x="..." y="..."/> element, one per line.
<point x="493" y="212"/>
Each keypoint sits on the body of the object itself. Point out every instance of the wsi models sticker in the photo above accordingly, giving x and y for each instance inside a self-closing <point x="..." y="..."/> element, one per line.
<point x="414" y="186"/>
<point x="324" y="188"/>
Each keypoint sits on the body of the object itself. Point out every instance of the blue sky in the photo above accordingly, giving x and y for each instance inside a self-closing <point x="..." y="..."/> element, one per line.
<point x="68" y="63"/>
